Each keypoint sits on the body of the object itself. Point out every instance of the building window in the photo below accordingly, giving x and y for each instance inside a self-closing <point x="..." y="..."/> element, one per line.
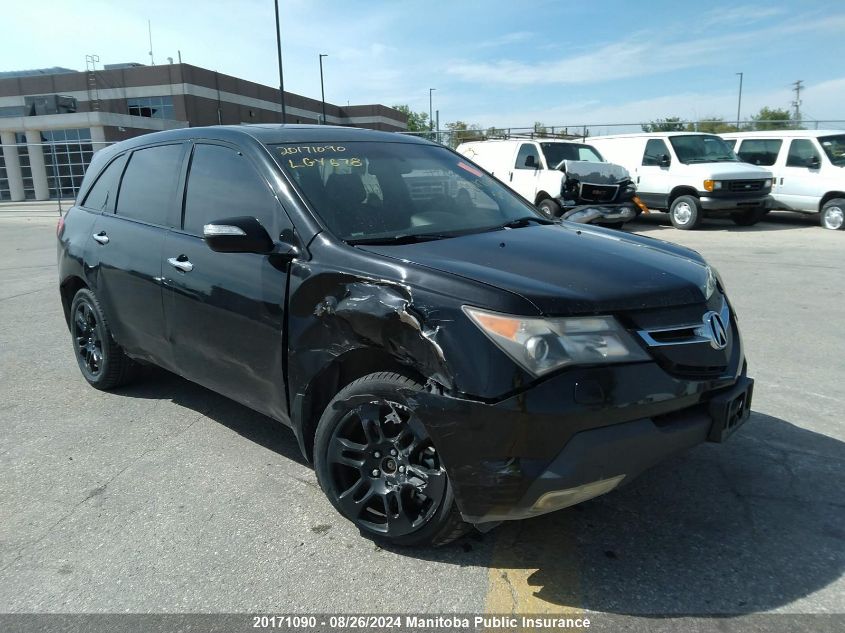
<point x="151" y="107"/>
<point x="26" y="170"/>
<point x="67" y="154"/>
<point x="5" y="194"/>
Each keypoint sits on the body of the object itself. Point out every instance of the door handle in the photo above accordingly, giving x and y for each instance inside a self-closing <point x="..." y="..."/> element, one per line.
<point x="101" y="237"/>
<point x="511" y="177"/>
<point x="181" y="263"/>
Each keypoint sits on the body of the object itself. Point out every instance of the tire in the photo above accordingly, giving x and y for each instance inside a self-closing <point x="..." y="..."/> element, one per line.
<point x="685" y="213"/>
<point x="101" y="360"/>
<point x="550" y="208"/>
<point x="748" y="218"/>
<point x="405" y="499"/>
<point x="833" y="214"/>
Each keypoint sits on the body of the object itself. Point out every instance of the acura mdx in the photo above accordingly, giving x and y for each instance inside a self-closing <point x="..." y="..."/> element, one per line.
<point x="445" y="355"/>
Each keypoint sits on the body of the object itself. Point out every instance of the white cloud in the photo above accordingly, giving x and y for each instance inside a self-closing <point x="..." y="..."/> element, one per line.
<point x="641" y="54"/>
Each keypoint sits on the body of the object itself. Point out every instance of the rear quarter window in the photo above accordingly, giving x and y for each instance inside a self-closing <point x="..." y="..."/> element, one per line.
<point x="103" y="194"/>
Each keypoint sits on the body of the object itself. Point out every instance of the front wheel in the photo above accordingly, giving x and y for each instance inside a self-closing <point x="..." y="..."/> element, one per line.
<point x="685" y="213"/>
<point x="378" y="467"/>
<point x="550" y="208"/>
<point x="833" y="214"/>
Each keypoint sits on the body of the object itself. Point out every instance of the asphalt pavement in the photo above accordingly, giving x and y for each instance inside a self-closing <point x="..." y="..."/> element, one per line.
<point x="165" y="497"/>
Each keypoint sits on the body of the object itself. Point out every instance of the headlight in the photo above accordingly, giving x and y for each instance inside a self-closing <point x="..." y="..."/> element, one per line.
<point x="543" y="345"/>
<point x="767" y="183"/>
<point x="712" y="185"/>
<point x="710" y="284"/>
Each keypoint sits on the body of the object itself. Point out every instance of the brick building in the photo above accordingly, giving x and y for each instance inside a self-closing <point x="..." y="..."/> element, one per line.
<point x="52" y="120"/>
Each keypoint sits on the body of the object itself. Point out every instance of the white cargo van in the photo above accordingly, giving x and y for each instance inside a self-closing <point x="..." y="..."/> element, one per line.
<point x="808" y="168"/>
<point x="564" y="179"/>
<point x="690" y="175"/>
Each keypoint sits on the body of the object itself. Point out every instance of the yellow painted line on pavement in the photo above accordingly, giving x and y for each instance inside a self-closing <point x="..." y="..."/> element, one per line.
<point x="535" y="568"/>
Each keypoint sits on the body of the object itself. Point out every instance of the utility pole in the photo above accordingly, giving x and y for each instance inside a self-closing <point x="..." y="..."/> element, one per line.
<point x="430" y="111"/>
<point x="322" y="89"/>
<point x="739" y="102"/>
<point x="150" y="33"/>
<point x="279" y="52"/>
<point x="797" y="103"/>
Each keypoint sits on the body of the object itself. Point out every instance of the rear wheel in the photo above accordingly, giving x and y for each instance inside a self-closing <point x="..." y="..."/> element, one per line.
<point x="378" y="467"/>
<point x="749" y="217"/>
<point x="685" y="213"/>
<point x="550" y="208"/>
<point x="833" y="214"/>
<point x="101" y="360"/>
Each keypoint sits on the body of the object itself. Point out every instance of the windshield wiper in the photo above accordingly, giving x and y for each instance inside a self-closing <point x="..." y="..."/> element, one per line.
<point x="402" y="238"/>
<point x="521" y="222"/>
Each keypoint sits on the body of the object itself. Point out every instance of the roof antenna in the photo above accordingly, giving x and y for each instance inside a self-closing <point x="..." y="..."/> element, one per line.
<point x="150" y="32"/>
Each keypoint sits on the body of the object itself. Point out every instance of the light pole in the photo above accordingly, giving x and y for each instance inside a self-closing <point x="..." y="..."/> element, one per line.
<point x="430" y="111"/>
<point x="322" y="90"/>
<point x="279" y="52"/>
<point x="739" y="101"/>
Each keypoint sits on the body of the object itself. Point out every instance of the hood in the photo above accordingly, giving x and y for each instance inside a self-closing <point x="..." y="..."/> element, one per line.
<point x="730" y="171"/>
<point x="567" y="268"/>
<point x="595" y="173"/>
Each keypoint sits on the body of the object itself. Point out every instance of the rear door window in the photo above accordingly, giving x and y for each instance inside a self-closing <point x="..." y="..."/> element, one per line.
<point x="760" y="151"/>
<point x="148" y="190"/>
<point x="654" y="152"/>
<point x="223" y="184"/>
<point x="103" y="194"/>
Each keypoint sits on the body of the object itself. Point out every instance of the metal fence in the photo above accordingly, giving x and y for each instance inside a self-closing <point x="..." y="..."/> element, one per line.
<point x="453" y="138"/>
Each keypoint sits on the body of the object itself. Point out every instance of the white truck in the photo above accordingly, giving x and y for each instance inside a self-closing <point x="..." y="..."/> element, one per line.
<point x="808" y="168"/>
<point x="690" y="175"/>
<point x="563" y="179"/>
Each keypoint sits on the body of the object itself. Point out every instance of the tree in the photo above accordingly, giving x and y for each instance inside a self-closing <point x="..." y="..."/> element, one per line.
<point x="417" y="121"/>
<point x="669" y="124"/>
<point x="712" y="125"/>
<point x="540" y="129"/>
<point x="773" y="119"/>
<point x="461" y="132"/>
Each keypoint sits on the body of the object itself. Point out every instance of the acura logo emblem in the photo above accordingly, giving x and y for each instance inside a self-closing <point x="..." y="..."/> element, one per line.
<point x="715" y="330"/>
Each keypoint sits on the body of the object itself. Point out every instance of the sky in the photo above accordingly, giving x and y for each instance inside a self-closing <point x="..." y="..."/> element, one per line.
<point x="492" y="63"/>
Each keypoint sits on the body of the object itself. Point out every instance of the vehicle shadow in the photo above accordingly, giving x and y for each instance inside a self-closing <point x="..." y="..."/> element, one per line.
<point x="773" y="221"/>
<point x="724" y="529"/>
<point x="744" y="527"/>
<point x="158" y="384"/>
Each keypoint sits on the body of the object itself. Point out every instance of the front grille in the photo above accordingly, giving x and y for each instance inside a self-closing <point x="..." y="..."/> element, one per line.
<point x="687" y="349"/>
<point x="739" y="186"/>
<point x="597" y="193"/>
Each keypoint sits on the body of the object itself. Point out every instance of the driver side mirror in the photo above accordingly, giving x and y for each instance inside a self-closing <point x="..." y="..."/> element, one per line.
<point x="531" y="161"/>
<point x="665" y="160"/>
<point x="814" y="162"/>
<point x="237" y="235"/>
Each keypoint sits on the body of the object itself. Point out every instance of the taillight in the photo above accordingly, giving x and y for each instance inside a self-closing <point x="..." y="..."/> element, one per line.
<point x="60" y="225"/>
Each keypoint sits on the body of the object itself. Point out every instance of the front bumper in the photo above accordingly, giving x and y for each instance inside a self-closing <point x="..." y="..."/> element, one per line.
<point x="600" y="214"/>
<point x="710" y="203"/>
<point x="575" y="435"/>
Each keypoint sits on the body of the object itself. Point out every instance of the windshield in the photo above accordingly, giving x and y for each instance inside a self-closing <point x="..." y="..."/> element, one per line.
<point x="834" y="147"/>
<point x="702" y="148"/>
<point x="557" y="152"/>
<point x="365" y="191"/>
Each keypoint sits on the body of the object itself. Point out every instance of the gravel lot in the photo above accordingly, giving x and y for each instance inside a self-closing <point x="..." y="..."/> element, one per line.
<point x="166" y="497"/>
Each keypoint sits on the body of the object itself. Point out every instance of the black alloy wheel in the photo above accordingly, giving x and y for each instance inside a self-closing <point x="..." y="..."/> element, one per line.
<point x="380" y="469"/>
<point x="101" y="360"/>
<point x="88" y="339"/>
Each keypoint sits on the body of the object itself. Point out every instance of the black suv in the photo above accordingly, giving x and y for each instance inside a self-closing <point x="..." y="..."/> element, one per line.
<point x="444" y="353"/>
